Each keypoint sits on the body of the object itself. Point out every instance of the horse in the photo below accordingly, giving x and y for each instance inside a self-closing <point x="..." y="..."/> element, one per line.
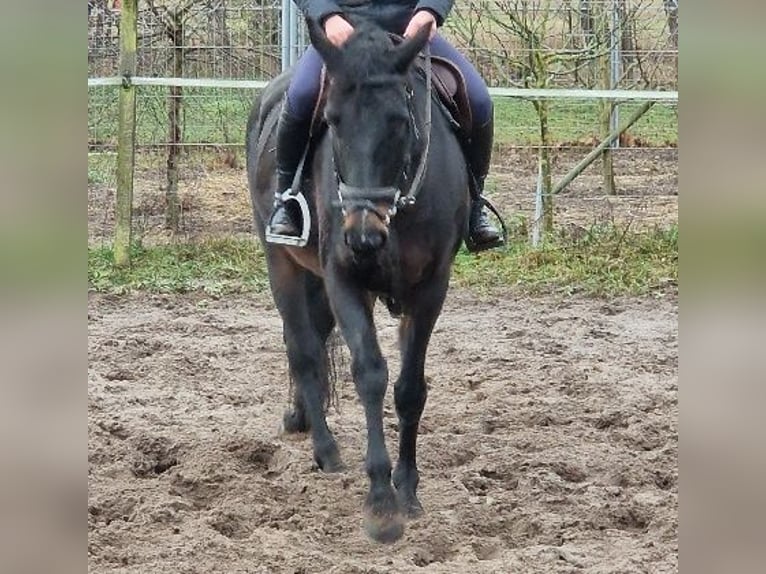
<point x="387" y="184"/>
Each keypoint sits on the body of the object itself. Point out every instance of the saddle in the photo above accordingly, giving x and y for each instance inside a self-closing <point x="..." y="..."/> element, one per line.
<point x="450" y="86"/>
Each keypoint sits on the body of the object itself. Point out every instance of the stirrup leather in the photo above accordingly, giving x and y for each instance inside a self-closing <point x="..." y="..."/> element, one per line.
<point x="303" y="238"/>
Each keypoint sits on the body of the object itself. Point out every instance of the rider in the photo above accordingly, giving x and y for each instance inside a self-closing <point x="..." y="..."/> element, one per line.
<point x="403" y="17"/>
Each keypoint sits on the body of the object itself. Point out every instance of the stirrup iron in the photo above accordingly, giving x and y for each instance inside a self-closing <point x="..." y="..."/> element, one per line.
<point x="303" y="238"/>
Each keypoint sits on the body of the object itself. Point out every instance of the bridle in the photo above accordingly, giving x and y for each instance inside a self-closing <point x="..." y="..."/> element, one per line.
<point x="367" y="199"/>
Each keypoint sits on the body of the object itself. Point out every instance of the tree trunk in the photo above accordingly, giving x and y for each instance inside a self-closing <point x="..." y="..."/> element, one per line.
<point x="627" y="39"/>
<point x="607" y="158"/>
<point x="218" y="36"/>
<point x="573" y="40"/>
<point x="588" y="39"/>
<point x="175" y="102"/>
<point x="586" y="19"/>
<point x="225" y="36"/>
<point x="671" y="10"/>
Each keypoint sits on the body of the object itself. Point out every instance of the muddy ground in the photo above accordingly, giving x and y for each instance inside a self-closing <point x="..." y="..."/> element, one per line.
<point x="548" y="444"/>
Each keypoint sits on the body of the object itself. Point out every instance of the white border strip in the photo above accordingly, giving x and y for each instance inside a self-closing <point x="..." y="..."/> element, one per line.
<point x="532" y="93"/>
<point x="95" y="82"/>
<point x="527" y="93"/>
<point x="180" y="82"/>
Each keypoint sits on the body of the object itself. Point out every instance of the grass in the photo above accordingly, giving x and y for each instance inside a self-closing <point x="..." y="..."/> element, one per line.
<point x="101" y="167"/>
<point x="213" y="266"/>
<point x="216" y="116"/>
<point x="210" y="116"/>
<point x="577" y="121"/>
<point x="604" y="261"/>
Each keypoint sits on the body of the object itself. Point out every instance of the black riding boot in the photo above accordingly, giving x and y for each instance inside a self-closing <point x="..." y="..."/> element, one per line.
<point x="292" y="139"/>
<point x="481" y="233"/>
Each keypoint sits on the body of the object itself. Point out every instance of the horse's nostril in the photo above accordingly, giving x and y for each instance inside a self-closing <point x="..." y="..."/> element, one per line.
<point x="365" y="242"/>
<point x="376" y="240"/>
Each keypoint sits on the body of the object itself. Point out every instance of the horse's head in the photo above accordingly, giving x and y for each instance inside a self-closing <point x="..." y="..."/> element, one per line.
<point x="370" y="114"/>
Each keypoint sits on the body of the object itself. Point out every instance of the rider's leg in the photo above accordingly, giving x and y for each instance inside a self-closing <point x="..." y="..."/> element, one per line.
<point x="479" y="149"/>
<point x="292" y="137"/>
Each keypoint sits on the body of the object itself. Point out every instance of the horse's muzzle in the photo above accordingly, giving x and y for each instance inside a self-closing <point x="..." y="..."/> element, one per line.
<point x="366" y="241"/>
<point x="365" y="226"/>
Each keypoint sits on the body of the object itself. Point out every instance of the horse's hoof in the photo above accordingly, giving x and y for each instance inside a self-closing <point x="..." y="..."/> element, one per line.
<point x="294" y="422"/>
<point x="413" y="508"/>
<point x="406" y="485"/>
<point x="329" y="461"/>
<point x="384" y="529"/>
<point x="383" y="519"/>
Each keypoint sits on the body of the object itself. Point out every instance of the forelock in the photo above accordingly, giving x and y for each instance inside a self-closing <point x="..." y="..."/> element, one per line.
<point x="366" y="53"/>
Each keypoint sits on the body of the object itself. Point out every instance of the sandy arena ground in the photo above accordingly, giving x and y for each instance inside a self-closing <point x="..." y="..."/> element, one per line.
<point x="548" y="444"/>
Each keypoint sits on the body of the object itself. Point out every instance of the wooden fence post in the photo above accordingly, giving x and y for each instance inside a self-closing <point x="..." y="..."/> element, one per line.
<point x="126" y="135"/>
<point x="599" y="149"/>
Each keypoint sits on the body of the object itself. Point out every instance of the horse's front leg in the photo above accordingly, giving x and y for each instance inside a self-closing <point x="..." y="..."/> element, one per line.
<point x="383" y="519"/>
<point x="410" y="390"/>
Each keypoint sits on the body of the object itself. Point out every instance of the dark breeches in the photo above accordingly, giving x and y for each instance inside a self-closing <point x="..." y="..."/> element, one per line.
<point x="304" y="87"/>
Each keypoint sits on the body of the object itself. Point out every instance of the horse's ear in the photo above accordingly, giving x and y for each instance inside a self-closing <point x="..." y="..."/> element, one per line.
<point x="406" y="52"/>
<point x="330" y="53"/>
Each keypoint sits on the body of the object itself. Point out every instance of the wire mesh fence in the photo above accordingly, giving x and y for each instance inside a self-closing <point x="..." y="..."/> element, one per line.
<point x="208" y="39"/>
<point x="514" y="43"/>
<point x="536" y="43"/>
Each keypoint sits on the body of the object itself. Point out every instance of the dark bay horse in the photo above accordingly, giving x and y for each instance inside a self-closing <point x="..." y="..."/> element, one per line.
<point x="370" y="239"/>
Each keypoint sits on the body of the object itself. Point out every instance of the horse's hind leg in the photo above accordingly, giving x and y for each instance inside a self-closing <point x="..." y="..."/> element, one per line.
<point x="296" y="420"/>
<point x="410" y="390"/>
<point x="306" y="354"/>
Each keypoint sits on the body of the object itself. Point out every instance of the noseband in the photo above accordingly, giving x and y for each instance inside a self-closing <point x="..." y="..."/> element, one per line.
<point x="352" y="198"/>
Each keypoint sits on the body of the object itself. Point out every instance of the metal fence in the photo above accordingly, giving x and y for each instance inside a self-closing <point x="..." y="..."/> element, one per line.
<point x="518" y="45"/>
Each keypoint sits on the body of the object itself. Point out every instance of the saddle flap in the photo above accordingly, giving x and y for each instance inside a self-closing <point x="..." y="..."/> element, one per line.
<point x="450" y="85"/>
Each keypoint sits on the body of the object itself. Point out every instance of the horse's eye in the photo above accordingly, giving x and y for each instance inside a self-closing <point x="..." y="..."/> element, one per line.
<point x="332" y="117"/>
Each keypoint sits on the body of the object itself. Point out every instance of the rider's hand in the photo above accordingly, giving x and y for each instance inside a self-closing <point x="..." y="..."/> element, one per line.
<point x="419" y="19"/>
<point x="337" y="29"/>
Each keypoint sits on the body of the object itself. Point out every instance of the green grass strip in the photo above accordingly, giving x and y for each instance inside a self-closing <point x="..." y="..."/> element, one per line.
<point x="214" y="266"/>
<point x="601" y="261"/>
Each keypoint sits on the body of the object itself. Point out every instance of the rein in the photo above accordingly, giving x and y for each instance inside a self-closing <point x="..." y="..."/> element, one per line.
<point x="410" y="198"/>
<point x="363" y="198"/>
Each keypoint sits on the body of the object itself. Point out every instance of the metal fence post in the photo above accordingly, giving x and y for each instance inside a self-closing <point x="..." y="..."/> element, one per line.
<point x="126" y="135"/>
<point x="538" y="203"/>
<point x="284" y="37"/>
<point x="292" y="37"/>
<point x="294" y="24"/>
